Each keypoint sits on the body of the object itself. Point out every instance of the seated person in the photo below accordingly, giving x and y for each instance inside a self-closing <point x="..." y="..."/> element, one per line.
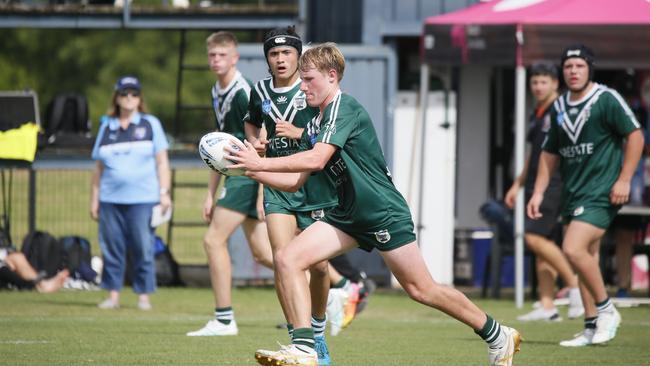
<point x="16" y="272"/>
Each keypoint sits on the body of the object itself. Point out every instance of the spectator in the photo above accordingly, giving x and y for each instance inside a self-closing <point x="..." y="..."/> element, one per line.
<point x="131" y="176"/>
<point x="16" y="272"/>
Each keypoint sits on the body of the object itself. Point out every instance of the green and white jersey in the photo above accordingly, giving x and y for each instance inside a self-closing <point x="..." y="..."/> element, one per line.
<point x="588" y="135"/>
<point x="267" y="104"/>
<point x="367" y="196"/>
<point x="230" y="104"/>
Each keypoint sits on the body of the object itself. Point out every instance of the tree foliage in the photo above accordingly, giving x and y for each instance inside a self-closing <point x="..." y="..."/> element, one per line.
<point x="52" y="61"/>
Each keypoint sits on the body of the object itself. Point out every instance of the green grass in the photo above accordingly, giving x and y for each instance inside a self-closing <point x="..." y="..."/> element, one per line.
<point x="66" y="328"/>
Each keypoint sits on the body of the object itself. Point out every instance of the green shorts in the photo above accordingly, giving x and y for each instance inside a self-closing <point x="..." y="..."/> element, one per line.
<point x="598" y="216"/>
<point x="385" y="239"/>
<point x="303" y="218"/>
<point x="240" y="194"/>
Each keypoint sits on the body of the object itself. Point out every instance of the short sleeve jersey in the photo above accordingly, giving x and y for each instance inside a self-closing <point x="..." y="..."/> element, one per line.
<point x="588" y="135"/>
<point x="230" y="104"/>
<point x="367" y="196"/>
<point x="537" y="131"/>
<point x="267" y="104"/>
<point x="129" y="158"/>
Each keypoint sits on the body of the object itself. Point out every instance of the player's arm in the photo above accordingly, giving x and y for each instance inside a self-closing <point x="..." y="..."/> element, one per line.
<point x="519" y="181"/>
<point x="620" y="192"/>
<point x="256" y="136"/>
<point x="287" y="182"/>
<point x="304" y="161"/>
<point x="547" y="164"/>
<point x="287" y="129"/>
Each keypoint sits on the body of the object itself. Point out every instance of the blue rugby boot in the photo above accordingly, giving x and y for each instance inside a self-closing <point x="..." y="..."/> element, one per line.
<point x="322" y="351"/>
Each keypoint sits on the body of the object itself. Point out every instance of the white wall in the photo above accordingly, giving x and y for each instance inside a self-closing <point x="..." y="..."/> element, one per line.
<point x="436" y="237"/>
<point x="473" y="145"/>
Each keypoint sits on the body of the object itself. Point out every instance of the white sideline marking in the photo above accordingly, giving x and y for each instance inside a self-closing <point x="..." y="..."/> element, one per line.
<point x="23" y="341"/>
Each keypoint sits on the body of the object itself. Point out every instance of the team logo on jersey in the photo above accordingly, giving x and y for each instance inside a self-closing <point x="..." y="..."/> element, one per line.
<point x="300" y="103"/>
<point x="573" y="111"/>
<point x="215" y="104"/>
<point x="223" y="193"/>
<point x="330" y="128"/>
<point x="266" y="106"/>
<point x="139" y="133"/>
<point x="579" y="211"/>
<point x="560" y="118"/>
<point x="282" y="99"/>
<point x="313" y="138"/>
<point x="317" y="214"/>
<point x="382" y="236"/>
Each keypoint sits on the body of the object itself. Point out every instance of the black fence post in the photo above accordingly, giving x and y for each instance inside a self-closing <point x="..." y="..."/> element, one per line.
<point x="31" y="197"/>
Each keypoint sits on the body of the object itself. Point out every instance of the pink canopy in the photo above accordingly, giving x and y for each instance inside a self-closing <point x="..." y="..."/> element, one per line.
<point x="617" y="30"/>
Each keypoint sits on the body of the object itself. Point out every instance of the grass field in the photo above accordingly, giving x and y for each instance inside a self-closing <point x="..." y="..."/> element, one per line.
<point x="67" y="328"/>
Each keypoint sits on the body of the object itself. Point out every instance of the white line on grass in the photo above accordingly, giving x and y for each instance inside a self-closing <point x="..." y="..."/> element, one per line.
<point x="23" y="341"/>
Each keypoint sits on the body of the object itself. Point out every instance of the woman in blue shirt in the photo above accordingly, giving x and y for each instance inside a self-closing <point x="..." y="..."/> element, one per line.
<point x="131" y="176"/>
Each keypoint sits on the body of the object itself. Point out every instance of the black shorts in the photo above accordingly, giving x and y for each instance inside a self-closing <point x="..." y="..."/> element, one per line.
<point x="546" y="226"/>
<point x="628" y="222"/>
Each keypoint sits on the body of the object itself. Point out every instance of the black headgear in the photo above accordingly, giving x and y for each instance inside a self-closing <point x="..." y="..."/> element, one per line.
<point x="283" y="38"/>
<point x="580" y="51"/>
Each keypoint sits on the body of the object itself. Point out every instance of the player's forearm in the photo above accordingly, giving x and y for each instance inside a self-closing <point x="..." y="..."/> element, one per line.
<point x="632" y="153"/>
<point x="213" y="183"/>
<point x="304" y="161"/>
<point x="287" y="182"/>
<point x="547" y="164"/>
<point x="252" y="131"/>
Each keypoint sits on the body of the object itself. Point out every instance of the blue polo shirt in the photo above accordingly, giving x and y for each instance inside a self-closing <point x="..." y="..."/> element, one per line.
<point x="129" y="159"/>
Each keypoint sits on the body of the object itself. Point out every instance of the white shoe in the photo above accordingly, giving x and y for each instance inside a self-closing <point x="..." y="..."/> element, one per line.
<point x="606" y="326"/>
<point x="216" y="328"/>
<point x="541" y="314"/>
<point x="336" y="301"/>
<point x="581" y="339"/>
<point x="108" y="304"/>
<point x="288" y="355"/>
<point x="576" y="309"/>
<point x="503" y="356"/>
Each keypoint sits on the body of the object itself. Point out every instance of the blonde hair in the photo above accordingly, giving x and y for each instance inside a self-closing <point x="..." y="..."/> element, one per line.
<point x="221" y="38"/>
<point x="323" y="58"/>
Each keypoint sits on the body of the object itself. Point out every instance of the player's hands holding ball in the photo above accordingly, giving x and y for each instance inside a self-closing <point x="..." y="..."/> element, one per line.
<point x="246" y="158"/>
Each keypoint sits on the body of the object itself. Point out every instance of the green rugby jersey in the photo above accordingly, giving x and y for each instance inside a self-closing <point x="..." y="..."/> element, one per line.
<point x="367" y="196"/>
<point x="230" y="104"/>
<point x="267" y="104"/>
<point x="588" y="135"/>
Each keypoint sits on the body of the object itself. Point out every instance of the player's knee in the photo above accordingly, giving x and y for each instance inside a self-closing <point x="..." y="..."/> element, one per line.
<point x="262" y="259"/>
<point x="285" y="260"/>
<point x="210" y="242"/>
<point x="572" y="253"/>
<point x="319" y="270"/>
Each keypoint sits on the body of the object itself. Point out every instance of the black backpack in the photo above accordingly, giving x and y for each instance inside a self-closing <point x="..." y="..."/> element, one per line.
<point x="76" y="257"/>
<point x="167" y="269"/>
<point x="67" y="113"/>
<point x="44" y="252"/>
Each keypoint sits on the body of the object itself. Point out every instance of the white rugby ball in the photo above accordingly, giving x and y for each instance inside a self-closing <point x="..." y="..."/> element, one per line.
<point x="212" y="152"/>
